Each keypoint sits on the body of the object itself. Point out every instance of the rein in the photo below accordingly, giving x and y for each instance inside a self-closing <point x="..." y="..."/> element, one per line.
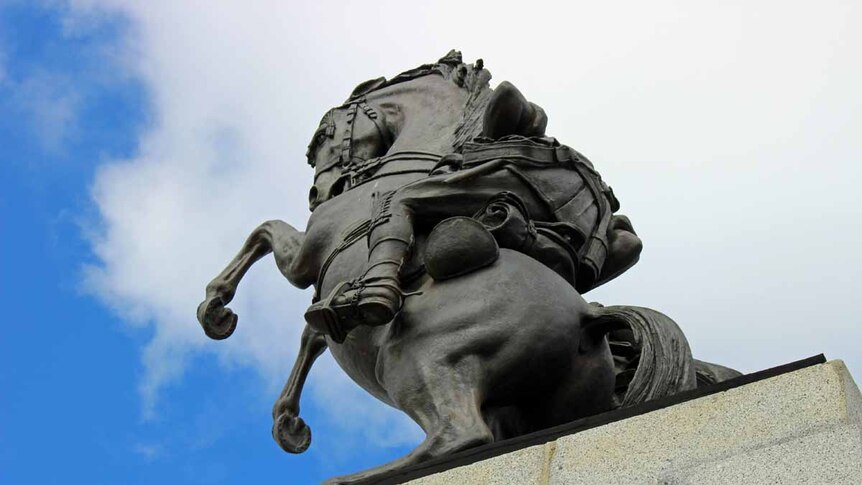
<point x="360" y="171"/>
<point x="368" y="170"/>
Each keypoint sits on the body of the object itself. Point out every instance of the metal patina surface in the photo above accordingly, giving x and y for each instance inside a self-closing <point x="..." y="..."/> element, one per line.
<point x="449" y="244"/>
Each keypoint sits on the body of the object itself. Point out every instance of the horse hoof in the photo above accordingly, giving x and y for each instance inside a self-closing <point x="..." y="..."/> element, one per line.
<point x="291" y="433"/>
<point x="218" y="321"/>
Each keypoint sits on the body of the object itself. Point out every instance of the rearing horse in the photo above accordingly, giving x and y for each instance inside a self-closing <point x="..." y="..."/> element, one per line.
<point x="500" y="351"/>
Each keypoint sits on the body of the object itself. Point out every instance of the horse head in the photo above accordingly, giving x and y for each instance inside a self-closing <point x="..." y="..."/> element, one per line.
<point x="347" y="135"/>
<point x="432" y="109"/>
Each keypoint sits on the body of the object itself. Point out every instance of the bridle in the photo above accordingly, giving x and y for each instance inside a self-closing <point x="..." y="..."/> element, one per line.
<point x="359" y="170"/>
<point x="353" y="107"/>
<point x="346" y="159"/>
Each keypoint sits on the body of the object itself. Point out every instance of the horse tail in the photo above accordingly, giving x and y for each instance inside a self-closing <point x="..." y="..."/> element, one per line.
<point x="652" y="358"/>
<point x="709" y="373"/>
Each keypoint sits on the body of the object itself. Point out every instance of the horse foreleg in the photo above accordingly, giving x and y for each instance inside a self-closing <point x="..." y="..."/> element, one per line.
<point x="279" y="237"/>
<point x="288" y="429"/>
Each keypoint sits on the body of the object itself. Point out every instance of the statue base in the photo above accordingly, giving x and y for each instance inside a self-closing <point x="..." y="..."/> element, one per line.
<point x="798" y="423"/>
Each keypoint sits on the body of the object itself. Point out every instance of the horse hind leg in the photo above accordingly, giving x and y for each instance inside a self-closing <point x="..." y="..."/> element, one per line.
<point x="588" y="386"/>
<point x="447" y="406"/>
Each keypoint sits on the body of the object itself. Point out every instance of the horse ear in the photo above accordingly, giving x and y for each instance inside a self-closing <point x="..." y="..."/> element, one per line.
<point x="367" y="87"/>
<point x="509" y="113"/>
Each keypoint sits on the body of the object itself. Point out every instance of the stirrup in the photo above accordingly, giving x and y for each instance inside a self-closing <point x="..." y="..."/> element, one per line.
<point x="337" y="319"/>
<point x="378" y="310"/>
<point x="322" y="317"/>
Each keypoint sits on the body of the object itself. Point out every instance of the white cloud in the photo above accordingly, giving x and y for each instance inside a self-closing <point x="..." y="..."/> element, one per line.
<point x="730" y="133"/>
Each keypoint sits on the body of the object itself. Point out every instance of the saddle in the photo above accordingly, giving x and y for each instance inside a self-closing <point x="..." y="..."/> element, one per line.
<point x="583" y="239"/>
<point x="460" y="245"/>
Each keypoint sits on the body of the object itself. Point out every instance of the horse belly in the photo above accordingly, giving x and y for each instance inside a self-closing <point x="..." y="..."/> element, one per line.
<point x="519" y="319"/>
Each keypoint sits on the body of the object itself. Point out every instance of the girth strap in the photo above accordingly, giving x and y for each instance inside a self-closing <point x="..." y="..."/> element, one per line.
<point x="358" y="232"/>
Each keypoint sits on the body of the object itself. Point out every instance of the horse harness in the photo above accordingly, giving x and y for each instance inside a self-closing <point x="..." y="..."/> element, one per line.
<point x="353" y="108"/>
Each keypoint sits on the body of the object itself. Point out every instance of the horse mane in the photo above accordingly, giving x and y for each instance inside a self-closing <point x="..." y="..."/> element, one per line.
<point x="473" y="78"/>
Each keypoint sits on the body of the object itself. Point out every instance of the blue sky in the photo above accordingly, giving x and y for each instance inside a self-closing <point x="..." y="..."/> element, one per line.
<point x="140" y="142"/>
<point x="70" y="410"/>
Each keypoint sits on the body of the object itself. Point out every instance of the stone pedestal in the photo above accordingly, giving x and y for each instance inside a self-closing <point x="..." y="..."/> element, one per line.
<point x="800" y="427"/>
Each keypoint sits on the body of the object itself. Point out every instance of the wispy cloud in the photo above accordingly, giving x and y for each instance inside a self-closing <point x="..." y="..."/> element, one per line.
<point x="49" y="103"/>
<point x="149" y="451"/>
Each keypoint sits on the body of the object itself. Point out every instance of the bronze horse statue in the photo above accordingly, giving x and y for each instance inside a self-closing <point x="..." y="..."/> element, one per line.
<point x="498" y="229"/>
